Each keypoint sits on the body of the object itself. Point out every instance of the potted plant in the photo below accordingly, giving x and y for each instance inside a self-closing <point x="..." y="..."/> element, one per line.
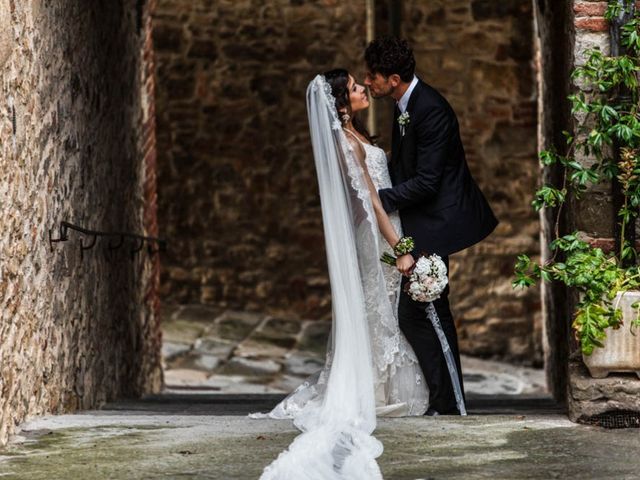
<point x="605" y="147"/>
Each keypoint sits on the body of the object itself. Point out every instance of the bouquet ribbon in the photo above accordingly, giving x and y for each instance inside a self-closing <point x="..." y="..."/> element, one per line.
<point x="448" y="356"/>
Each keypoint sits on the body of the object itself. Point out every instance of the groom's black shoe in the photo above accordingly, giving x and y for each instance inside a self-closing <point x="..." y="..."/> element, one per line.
<point x="453" y="411"/>
<point x="431" y="412"/>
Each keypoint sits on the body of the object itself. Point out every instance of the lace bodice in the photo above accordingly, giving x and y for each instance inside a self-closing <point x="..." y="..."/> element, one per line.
<point x="376" y="161"/>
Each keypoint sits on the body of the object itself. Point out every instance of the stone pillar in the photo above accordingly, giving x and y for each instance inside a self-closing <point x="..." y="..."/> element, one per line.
<point x="594" y="215"/>
<point x="554" y="29"/>
<point x="148" y="150"/>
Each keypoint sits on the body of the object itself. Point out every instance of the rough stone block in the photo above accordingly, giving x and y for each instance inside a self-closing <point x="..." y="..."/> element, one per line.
<point x="315" y="336"/>
<point x="592" y="24"/>
<point x="589" y="396"/>
<point x="214" y="346"/>
<point x="183" y="331"/>
<point x="194" y="360"/>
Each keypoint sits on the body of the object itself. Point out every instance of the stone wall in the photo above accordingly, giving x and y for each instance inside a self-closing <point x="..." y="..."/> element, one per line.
<point x="238" y="195"/>
<point x="594" y="215"/>
<point x="76" y="144"/>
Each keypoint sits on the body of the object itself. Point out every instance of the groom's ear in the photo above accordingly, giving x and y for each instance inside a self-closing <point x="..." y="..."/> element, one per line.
<point x="394" y="80"/>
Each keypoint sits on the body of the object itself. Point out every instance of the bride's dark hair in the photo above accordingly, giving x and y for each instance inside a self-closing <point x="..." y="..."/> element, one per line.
<point x="338" y="79"/>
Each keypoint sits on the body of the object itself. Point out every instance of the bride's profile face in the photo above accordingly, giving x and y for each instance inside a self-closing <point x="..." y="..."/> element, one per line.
<point x="357" y="95"/>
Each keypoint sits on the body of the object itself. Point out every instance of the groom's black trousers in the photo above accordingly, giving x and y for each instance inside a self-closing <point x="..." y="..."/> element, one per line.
<point x="417" y="328"/>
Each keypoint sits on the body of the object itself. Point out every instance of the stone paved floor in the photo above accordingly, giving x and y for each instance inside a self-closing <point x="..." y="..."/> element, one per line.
<point x="207" y="349"/>
<point x="185" y="436"/>
<point x="196" y="429"/>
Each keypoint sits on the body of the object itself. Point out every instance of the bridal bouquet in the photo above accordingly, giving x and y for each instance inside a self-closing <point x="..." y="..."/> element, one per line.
<point x="428" y="278"/>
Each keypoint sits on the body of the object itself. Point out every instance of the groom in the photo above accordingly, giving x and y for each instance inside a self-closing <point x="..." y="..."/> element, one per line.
<point x="439" y="203"/>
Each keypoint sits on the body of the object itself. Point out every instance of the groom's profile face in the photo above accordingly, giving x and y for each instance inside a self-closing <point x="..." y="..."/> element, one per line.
<point x="379" y="85"/>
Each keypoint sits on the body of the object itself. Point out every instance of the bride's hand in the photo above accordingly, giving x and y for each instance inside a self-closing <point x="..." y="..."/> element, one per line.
<point x="405" y="264"/>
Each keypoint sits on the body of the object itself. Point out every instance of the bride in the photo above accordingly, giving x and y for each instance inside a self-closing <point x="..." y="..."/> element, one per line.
<point x="370" y="368"/>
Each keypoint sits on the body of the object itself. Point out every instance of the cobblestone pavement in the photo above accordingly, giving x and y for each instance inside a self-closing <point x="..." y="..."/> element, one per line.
<point x="208" y="349"/>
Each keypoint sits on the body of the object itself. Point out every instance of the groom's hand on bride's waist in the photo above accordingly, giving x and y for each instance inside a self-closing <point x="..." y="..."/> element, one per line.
<point x="405" y="264"/>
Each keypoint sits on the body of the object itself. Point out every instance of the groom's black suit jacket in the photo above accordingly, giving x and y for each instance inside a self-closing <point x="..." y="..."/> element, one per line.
<point x="440" y="205"/>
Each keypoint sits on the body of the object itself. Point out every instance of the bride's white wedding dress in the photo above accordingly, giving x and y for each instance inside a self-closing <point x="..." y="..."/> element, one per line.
<point x="399" y="386"/>
<point x="370" y="368"/>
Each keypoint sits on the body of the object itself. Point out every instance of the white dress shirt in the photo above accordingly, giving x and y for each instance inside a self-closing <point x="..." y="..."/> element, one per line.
<point x="404" y="100"/>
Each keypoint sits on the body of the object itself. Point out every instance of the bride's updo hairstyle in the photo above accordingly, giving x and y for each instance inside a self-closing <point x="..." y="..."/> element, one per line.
<point x="338" y="79"/>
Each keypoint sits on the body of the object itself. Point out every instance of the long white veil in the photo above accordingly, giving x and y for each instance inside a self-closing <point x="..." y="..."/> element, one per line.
<point x="335" y="410"/>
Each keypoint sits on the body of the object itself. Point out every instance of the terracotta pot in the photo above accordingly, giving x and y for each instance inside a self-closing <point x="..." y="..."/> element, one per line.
<point x="621" y="352"/>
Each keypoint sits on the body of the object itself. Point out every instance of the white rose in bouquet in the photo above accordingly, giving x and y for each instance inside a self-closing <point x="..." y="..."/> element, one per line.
<point x="428" y="279"/>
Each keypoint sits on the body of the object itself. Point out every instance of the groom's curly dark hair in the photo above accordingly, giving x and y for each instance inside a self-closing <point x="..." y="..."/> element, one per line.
<point x="389" y="55"/>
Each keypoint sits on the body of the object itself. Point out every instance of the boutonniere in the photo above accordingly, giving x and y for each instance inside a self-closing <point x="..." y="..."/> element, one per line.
<point x="403" y="121"/>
